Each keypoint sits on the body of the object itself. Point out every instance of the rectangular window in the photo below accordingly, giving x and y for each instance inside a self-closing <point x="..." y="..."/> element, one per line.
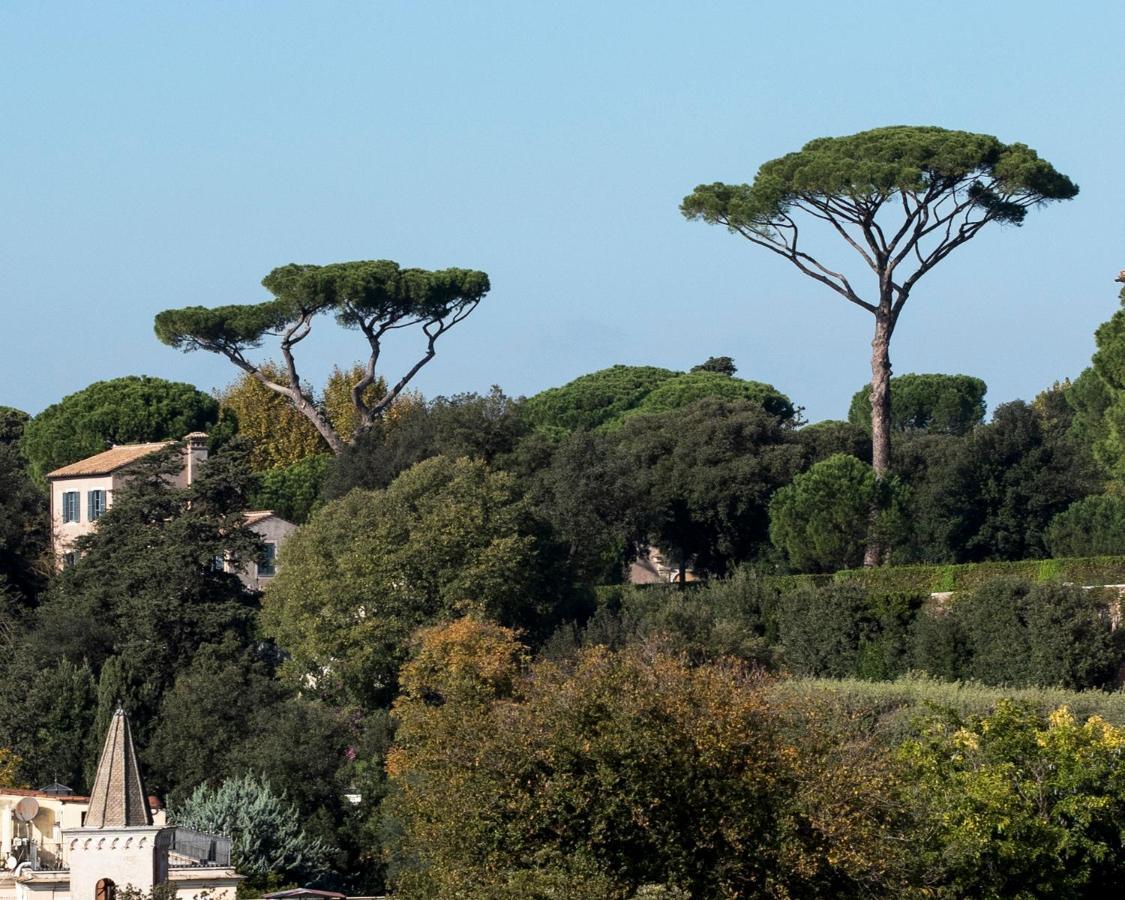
<point x="267" y="568"/>
<point x="70" y="511"/>
<point x="95" y="505"/>
<point x="69" y="559"/>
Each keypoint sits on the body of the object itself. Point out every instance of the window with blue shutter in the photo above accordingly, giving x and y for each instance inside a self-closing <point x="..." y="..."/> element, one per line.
<point x="95" y="504"/>
<point x="70" y="511"/>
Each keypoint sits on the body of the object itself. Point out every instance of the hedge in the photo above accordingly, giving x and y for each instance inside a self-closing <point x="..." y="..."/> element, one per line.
<point x="910" y="694"/>
<point x="1087" y="571"/>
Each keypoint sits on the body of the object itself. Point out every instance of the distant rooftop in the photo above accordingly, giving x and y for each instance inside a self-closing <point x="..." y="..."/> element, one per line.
<point x="253" y="516"/>
<point x="108" y="461"/>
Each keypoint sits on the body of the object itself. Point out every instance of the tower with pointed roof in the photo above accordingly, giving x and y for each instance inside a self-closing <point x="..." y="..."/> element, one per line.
<point x="121" y="844"/>
<point x="118" y="844"/>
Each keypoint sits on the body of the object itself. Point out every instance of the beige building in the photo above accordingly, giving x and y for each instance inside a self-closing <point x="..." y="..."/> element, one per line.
<point x="83" y="491"/>
<point x="78" y="848"/>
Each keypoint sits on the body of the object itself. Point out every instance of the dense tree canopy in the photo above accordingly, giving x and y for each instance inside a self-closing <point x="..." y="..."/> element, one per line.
<point x="486" y="427"/>
<point x="374" y="297"/>
<point x="1092" y="526"/>
<point x="24" y="528"/>
<point x="607" y="398"/>
<point x="945" y="404"/>
<point x="146" y="593"/>
<point x="12" y="423"/>
<point x="706" y="473"/>
<point x="902" y="198"/>
<point x="822" y="520"/>
<point x="446" y="538"/>
<point x="685" y="389"/>
<point x="130" y="410"/>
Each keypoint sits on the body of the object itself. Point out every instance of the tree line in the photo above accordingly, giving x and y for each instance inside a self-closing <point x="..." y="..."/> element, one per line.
<point x="448" y="688"/>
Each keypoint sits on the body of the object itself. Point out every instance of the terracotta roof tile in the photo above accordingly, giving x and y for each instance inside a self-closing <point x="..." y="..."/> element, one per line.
<point x="254" y="516"/>
<point x="109" y="461"/>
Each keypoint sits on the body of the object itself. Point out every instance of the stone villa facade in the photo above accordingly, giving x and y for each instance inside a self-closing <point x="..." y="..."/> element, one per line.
<point x="83" y="491"/>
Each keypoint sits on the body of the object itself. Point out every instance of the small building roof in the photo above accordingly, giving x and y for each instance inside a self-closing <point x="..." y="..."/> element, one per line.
<point x="108" y="461"/>
<point x="254" y="516"/>
<point x="24" y="792"/>
<point x="297" y="893"/>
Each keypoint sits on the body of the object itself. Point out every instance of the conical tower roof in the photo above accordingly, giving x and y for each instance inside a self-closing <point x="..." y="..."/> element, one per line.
<point x="118" y="799"/>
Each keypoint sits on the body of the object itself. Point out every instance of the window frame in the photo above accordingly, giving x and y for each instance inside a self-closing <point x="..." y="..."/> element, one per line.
<point x="71" y="499"/>
<point x="267" y="562"/>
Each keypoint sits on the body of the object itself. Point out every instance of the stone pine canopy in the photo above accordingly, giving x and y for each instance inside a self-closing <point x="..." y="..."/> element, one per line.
<point x="118" y="799"/>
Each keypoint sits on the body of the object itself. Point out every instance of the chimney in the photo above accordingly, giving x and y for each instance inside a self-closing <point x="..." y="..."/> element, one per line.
<point x="196" y="451"/>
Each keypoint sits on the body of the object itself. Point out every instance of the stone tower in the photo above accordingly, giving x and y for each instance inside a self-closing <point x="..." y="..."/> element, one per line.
<point x="117" y="845"/>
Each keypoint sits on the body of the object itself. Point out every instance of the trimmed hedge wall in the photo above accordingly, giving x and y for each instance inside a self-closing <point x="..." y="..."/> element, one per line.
<point x="1086" y="571"/>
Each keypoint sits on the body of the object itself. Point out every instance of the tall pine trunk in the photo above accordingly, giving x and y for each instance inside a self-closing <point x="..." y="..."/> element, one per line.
<point x="880" y="420"/>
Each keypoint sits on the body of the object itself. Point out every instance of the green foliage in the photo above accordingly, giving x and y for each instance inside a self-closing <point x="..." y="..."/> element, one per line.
<point x="608" y="398"/>
<point x="945" y="404"/>
<point x="145" y="592"/>
<point x="264" y="827"/>
<point x="1021" y="807"/>
<point x="130" y="410"/>
<point x="1095" y="570"/>
<point x="897" y="703"/>
<point x="683" y="390"/>
<point x="1013" y="633"/>
<point x="589" y="492"/>
<point x="842" y="630"/>
<point x="632" y="768"/>
<point x="1092" y="526"/>
<point x="371" y="296"/>
<point x="1098" y="398"/>
<point x="822" y="520"/>
<point x="992" y="493"/>
<point x="879" y="163"/>
<point x="293" y="491"/>
<point x="447" y="538"/>
<point x="721" y="618"/>
<point x="724" y="365"/>
<point x="595" y="399"/>
<point x="12" y="423"/>
<point x="824" y="439"/>
<point x="488" y="427"/>
<point x="352" y="291"/>
<point x="706" y="473"/>
<point x="637" y="767"/>
<point x="47" y="717"/>
<point x="24" y="528"/>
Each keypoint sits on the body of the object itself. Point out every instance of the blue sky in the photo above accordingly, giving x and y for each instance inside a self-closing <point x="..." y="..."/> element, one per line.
<point x="158" y="155"/>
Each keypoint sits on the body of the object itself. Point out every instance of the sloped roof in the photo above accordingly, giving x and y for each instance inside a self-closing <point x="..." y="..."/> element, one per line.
<point x="118" y="799"/>
<point x="108" y="461"/>
<point x="62" y="798"/>
<point x="254" y="516"/>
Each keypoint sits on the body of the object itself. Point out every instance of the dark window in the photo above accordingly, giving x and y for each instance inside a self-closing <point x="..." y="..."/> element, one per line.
<point x="267" y="568"/>
<point x="69" y="559"/>
<point x="105" y="890"/>
<point x="95" y="505"/>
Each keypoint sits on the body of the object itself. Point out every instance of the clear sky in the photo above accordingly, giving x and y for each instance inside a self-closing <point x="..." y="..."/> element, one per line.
<point x="158" y="155"/>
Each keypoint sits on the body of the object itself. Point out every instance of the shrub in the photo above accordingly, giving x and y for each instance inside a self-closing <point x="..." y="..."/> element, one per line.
<point x="842" y="630"/>
<point x="1091" y="526"/>
<point x="821" y="521"/>
<point x="1013" y="632"/>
